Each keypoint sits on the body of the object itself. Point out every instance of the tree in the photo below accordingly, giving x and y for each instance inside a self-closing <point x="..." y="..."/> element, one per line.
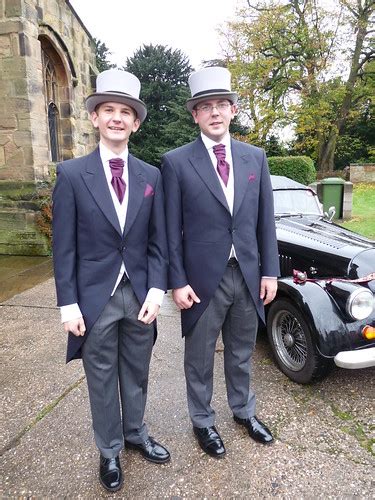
<point x="163" y="73"/>
<point x="356" y="143"/>
<point x="356" y="138"/>
<point x="361" y="12"/>
<point x="268" y="58"/>
<point x="102" y="52"/>
<point x="284" y="55"/>
<point x="273" y="147"/>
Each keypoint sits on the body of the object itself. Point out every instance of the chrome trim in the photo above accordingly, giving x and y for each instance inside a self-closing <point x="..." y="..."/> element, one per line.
<point x="352" y="360"/>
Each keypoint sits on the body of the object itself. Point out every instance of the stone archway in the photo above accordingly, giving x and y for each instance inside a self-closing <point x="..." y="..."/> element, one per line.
<point x="58" y="102"/>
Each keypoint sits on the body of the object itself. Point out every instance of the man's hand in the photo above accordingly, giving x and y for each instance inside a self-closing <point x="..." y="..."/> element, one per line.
<point x="268" y="289"/>
<point x="148" y="312"/>
<point x="185" y="297"/>
<point x="76" y="326"/>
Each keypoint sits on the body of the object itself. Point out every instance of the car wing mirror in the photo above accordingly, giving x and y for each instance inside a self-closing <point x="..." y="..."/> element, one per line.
<point x="330" y="214"/>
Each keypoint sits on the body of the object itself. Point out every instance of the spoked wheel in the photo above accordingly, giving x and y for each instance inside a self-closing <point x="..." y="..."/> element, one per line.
<point x="293" y="345"/>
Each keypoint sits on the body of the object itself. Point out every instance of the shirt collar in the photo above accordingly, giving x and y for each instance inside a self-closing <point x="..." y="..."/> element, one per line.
<point x="106" y="154"/>
<point x="209" y="143"/>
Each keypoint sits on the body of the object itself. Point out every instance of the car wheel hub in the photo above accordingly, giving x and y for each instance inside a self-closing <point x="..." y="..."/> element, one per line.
<point x="289" y="340"/>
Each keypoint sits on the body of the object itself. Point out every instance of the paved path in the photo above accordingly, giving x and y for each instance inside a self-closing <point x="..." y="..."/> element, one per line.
<point x="322" y="450"/>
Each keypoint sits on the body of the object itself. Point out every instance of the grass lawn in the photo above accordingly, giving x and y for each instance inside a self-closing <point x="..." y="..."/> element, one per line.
<point x="363" y="216"/>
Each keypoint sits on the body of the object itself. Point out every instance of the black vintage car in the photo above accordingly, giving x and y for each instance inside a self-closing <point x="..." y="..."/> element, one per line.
<point x="324" y="309"/>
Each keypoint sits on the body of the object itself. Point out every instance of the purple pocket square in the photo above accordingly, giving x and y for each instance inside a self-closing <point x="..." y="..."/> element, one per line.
<point x="149" y="191"/>
<point x="252" y="177"/>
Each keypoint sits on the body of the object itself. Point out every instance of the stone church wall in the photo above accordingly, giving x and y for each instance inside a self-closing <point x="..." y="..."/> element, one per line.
<point x="32" y="34"/>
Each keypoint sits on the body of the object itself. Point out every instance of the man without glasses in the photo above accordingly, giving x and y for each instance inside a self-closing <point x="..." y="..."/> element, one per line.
<point x="110" y="261"/>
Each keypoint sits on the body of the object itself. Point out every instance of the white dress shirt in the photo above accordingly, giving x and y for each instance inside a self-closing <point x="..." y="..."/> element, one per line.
<point x="155" y="295"/>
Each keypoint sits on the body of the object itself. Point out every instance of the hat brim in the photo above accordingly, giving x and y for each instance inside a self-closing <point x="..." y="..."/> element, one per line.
<point x="139" y="106"/>
<point x="193" y="101"/>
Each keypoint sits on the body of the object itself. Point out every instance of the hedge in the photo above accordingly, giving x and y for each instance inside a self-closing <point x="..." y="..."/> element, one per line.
<point x="298" y="168"/>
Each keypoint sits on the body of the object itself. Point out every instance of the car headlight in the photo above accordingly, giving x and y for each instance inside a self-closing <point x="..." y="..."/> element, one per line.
<point x="360" y="304"/>
<point x="353" y="299"/>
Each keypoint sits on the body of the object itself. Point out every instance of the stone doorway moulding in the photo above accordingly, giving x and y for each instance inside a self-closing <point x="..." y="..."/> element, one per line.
<point x="57" y="85"/>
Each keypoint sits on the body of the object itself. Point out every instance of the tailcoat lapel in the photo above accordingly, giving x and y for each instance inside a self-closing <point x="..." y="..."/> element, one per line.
<point x="137" y="185"/>
<point x="96" y="182"/>
<point x="201" y="162"/>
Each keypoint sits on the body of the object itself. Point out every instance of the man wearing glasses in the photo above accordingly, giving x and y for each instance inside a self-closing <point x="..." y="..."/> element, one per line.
<point x="223" y="254"/>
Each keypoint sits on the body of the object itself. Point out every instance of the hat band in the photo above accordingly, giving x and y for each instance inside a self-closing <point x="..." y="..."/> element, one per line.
<point x="115" y="92"/>
<point x="210" y="91"/>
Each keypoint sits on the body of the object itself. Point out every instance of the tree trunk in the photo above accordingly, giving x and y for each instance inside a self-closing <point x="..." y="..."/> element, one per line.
<point x="327" y="152"/>
<point x="362" y="16"/>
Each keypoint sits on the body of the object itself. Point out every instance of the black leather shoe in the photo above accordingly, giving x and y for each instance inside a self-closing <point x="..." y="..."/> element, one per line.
<point x="110" y="473"/>
<point x="151" y="450"/>
<point x="210" y="441"/>
<point x="256" y="429"/>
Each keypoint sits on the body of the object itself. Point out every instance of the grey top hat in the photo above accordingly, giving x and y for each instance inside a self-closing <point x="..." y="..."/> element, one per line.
<point x="114" y="85"/>
<point x="210" y="83"/>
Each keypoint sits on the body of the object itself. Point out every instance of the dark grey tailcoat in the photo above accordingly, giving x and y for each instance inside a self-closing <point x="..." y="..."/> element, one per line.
<point x="201" y="229"/>
<point x="89" y="246"/>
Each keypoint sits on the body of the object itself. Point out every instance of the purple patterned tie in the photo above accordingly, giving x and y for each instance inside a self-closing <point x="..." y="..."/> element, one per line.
<point x="222" y="165"/>
<point x="118" y="183"/>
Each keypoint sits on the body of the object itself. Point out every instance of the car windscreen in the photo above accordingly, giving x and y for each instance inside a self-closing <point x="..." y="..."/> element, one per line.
<point x="296" y="201"/>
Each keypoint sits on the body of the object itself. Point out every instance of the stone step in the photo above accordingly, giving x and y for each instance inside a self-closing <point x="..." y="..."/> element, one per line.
<point x="9" y="205"/>
<point x="16" y="219"/>
<point x="23" y="243"/>
<point x="20" y="236"/>
<point x="20" y="204"/>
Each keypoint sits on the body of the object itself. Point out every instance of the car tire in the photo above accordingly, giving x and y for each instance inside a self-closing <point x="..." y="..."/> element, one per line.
<point x="293" y="345"/>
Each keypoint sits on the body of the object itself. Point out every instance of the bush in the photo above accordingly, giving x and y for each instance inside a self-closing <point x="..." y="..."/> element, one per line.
<point x="44" y="218"/>
<point x="43" y="197"/>
<point x="298" y="168"/>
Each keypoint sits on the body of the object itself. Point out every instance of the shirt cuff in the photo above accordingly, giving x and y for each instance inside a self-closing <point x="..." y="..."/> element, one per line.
<point x="270" y="277"/>
<point x="156" y="296"/>
<point x="69" y="312"/>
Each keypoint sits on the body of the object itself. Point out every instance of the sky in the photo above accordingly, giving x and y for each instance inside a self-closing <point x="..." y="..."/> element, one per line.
<point x="188" y="25"/>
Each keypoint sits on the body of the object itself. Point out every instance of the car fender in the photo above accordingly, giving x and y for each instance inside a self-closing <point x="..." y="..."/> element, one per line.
<point x="320" y="312"/>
